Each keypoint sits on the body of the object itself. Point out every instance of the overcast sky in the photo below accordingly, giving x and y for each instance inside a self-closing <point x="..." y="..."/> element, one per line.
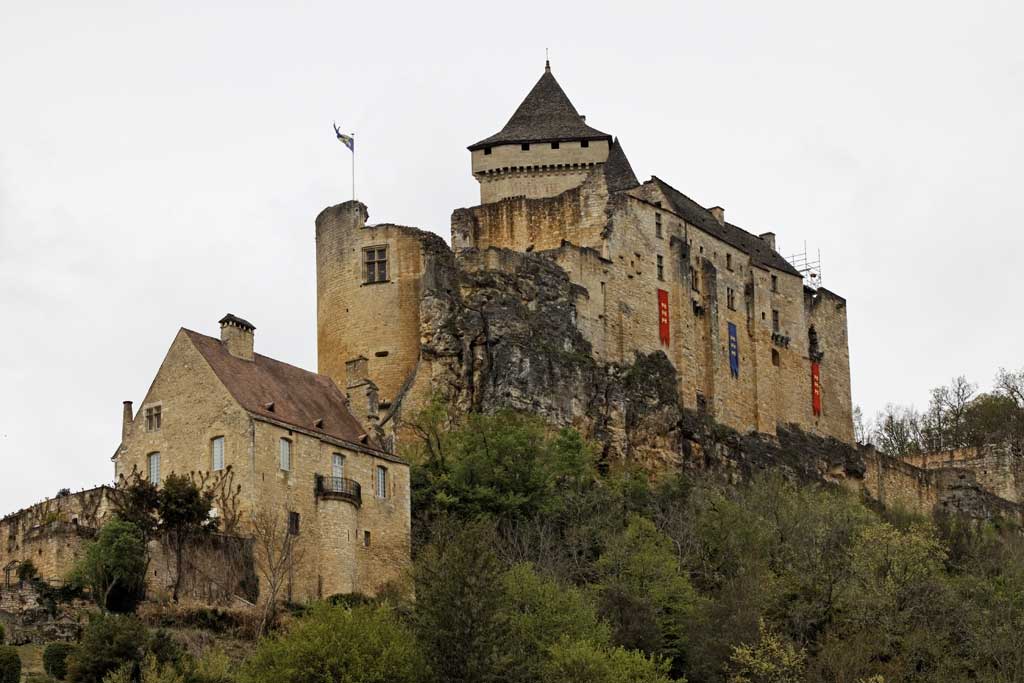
<point x="162" y="164"/>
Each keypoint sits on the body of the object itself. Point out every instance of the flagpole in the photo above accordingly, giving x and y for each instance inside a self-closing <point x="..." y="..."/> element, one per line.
<point x="353" y="167"/>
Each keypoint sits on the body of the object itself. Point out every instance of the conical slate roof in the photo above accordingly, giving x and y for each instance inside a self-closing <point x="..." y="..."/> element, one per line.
<point x="546" y="115"/>
<point x="618" y="172"/>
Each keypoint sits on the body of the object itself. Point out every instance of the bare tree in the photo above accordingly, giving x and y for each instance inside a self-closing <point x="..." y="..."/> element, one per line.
<point x="279" y="554"/>
<point x="898" y="431"/>
<point x="1011" y="384"/>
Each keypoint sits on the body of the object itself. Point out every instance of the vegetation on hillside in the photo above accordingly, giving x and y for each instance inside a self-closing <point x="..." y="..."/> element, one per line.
<point x="533" y="563"/>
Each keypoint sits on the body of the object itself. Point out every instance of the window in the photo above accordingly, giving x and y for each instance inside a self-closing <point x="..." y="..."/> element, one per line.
<point x="776" y="360"/>
<point x="775" y="283"/>
<point x="153" y="419"/>
<point x="730" y="298"/>
<point x="584" y="143"/>
<point x="525" y="147"/>
<point x="487" y="150"/>
<point x="154" y="468"/>
<point x="554" y="145"/>
<point x="366" y="539"/>
<point x="657" y="225"/>
<point x="661" y="267"/>
<point x="338" y="466"/>
<point x="286" y="455"/>
<point x="217" y="446"/>
<point x="728" y="261"/>
<point x="375" y="264"/>
<point x="382" y="481"/>
<point x="293" y="523"/>
<point x="694" y="279"/>
<point x="775" y="321"/>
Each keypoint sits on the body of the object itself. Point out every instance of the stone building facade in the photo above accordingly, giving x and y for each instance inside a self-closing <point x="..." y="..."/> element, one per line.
<point x="651" y="271"/>
<point x="293" y="450"/>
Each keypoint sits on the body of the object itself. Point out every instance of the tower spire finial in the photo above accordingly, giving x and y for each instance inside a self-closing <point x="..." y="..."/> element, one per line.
<point x="547" y="62"/>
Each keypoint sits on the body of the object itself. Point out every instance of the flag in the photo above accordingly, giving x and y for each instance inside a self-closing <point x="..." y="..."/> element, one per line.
<point x="734" y="351"/>
<point x="663" y="329"/>
<point x="347" y="140"/>
<point x="815" y="388"/>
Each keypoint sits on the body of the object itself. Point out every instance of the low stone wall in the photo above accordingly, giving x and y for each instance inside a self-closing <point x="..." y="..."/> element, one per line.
<point x="997" y="468"/>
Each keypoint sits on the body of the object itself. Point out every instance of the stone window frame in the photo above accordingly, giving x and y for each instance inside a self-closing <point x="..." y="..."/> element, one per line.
<point x="658" y="232"/>
<point x="695" y="279"/>
<point x="776" y="358"/>
<point x="661" y="267"/>
<point x="775" y="282"/>
<point x="153" y="473"/>
<point x="730" y="298"/>
<point x="380" y="481"/>
<point x="213" y="453"/>
<point x="153" y="416"/>
<point x="366" y="538"/>
<point x="282" y="451"/>
<point x="366" y="260"/>
<point x="776" y="321"/>
<point x="338" y="465"/>
<point x="294" y="521"/>
<point x="728" y="261"/>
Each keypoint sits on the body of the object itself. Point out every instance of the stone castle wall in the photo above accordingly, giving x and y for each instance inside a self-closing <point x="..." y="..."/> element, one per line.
<point x="997" y="468"/>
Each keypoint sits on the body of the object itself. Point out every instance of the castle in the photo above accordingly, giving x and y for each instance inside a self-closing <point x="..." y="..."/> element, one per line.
<point x="567" y="276"/>
<point x="651" y="270"/>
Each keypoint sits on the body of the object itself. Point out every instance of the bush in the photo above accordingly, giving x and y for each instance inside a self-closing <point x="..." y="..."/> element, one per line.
<point x="114" y="567"/>
<point x="2" y="634"/>
<point x="108" y="642"/>
<point x="55" y="659"/>
<point x="10" y="665"/>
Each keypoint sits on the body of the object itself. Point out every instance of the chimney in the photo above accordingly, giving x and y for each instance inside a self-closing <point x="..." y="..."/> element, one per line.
<point x="126" y="420"/>
<point x="768" y="238"/>
<point x="719" y="214"/>
<point x="237" y="336"/>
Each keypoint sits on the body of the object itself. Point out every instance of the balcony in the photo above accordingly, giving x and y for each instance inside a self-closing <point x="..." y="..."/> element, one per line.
<point x="339" y="488"/>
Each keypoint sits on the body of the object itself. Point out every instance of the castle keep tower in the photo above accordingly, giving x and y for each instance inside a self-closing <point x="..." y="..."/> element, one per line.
<point x="543" y="150"/>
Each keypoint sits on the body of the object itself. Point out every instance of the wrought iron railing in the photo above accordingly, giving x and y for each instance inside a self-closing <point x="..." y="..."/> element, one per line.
<point x="339" y="487"/>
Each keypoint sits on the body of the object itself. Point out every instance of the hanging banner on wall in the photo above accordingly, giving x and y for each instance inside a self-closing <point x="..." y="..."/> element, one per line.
<point x="816" y="388"/>
<point x="663" y="316"/>
<point x="734" y="351"/>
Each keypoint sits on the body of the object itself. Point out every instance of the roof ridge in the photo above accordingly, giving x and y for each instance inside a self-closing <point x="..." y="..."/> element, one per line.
<point x="270" y="358"/>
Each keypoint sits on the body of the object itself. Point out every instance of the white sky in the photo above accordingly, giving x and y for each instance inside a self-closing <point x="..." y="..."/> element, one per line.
<point x="161" y="164"/>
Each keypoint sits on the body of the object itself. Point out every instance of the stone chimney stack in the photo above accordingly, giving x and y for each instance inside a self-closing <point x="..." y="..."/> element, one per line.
<point x="768" y="238"/>
<point x="362" y="393"/>
<point x="719" y="214"/>
<point x="126" y="420"/>
<point x="237" y="336"/>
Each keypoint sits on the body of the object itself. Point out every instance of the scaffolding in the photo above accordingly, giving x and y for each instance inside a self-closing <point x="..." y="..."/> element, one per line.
<point x="809" y="265"/>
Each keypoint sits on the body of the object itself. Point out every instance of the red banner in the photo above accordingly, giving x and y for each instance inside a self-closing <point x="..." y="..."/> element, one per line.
<point x="816" y="388"/>
<point x="663" y="316"/>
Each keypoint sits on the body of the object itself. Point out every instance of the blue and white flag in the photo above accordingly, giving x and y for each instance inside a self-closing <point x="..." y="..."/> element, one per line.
<point x="347" y="140"/>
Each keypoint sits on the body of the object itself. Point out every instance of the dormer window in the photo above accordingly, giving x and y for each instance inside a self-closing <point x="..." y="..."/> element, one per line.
<point x="554" y="145"/>
<point x="525" y="146"/>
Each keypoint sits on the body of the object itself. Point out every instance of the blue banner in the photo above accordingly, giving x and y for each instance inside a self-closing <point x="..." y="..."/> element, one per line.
<point x="734" y="352"/>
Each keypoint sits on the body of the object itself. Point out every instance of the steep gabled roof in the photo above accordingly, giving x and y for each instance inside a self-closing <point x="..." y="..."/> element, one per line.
<point x="695" y="214"/>
<point x="300" y="398"/>
<point x="618" y="173"/>
<point x="546" y="115"/>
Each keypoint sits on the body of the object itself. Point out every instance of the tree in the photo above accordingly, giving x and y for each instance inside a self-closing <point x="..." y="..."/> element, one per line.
<point x="356" y="645"/>
<point x="898" y="431"/>
<point x="459" y="620"/>
<point x="770" y="660"/>
<point x="137" y="500"/>
<point x="581" y="661"/>
<point x="55" y="659"/>
<point x="113" y="567"/>
<point x="184" y="518"/>
<point x="639" y="573"/>
<point x="278" y="554"/>
<point x="10" y="664"/>
<point x="109" y="641"/>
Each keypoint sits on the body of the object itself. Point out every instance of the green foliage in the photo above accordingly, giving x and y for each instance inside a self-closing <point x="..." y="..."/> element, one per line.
<point x="507" y="465"/>
<point x="55" y="659"/>
<point x="184" y="517"/>
<point x="459" y="620"/>
<point x="770" y="660"/>
<point x="3" y="634"/>
<point x="113" y="567"/>
<point x="109" y="642"/>
<point x="354" y="645"/>
<point x="10" y="664"/>
<point x="582" y="661"/>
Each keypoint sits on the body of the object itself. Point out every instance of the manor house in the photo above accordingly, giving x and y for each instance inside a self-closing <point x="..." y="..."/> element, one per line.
<point x="754" y="346"/>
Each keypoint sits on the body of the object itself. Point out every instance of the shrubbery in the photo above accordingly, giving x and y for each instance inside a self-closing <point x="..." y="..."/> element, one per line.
<point x="55" y="659"/>
<point x="10" y="665"/>
<point x="109" y="641"/>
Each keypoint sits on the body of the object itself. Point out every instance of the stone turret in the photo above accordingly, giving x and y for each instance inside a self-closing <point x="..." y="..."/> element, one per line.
<point x="545" y="149"/>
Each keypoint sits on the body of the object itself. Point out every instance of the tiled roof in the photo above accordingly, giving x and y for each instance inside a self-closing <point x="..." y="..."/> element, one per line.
<point x="695" y="214"/>
<point x="546" y="115"/>
<point x="300" y="398"/>
<point x="618" y="172"/>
